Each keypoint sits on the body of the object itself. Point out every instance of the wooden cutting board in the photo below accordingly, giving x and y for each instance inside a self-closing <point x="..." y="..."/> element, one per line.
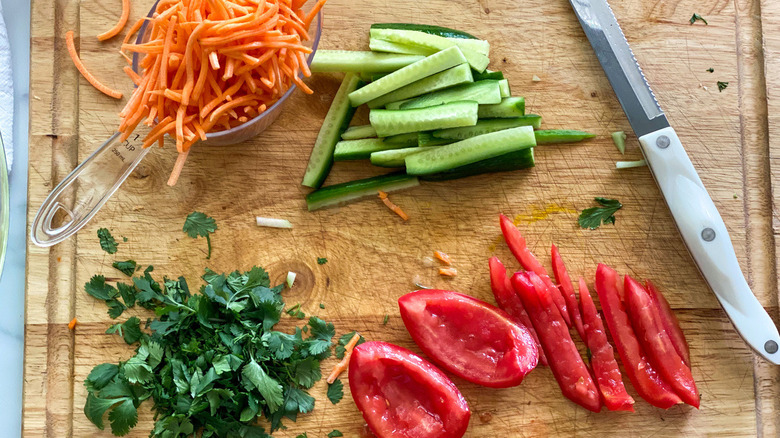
<point x="374" y="257"/>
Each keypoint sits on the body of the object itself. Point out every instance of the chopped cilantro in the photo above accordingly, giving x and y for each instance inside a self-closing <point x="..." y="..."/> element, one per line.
<point x="385" y="319"/>
<point x="211" y="361"/>
<point x="322" y="305"/>
<point x="124" y="239"/>
<point x="296" y="312"/>
<point x="335" y="433"/>
<point x="107" y="241"/>
<point x="603" y="214"/>
<point x="321" y="260"/>
<point x="303" y="435"/>
<point x="697" y="17"/>
<point x="722" y="86"/>
<point x="335" y="391"/>
<point x="197" y="225"/>
<point x="711" y="70"/>
<point x="127" y="267"/>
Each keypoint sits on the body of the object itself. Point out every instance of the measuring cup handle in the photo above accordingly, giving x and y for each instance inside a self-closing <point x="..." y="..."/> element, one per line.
<point x="81" y="194"/>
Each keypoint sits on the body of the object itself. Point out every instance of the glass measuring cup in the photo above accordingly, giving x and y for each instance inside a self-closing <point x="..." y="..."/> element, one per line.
<point x="77" y="198"/>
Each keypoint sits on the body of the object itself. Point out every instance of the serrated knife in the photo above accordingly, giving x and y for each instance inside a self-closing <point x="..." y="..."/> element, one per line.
<point x="697" y="218"/>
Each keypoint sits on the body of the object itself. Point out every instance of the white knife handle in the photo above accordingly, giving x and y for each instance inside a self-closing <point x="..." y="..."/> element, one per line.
<point x="707" y="239"/>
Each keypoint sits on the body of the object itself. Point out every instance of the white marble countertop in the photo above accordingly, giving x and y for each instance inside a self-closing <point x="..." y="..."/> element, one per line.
<point x="12" y="283"/>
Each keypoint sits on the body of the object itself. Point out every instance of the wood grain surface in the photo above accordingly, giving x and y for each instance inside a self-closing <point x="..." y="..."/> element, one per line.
<point x="733" y="138"/>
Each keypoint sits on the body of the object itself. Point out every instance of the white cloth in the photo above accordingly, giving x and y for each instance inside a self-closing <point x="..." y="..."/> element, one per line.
<point x="6" y="93"/>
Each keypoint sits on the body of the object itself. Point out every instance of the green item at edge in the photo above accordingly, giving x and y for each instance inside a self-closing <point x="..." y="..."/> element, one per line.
<point x="603" y="214"/>
<point x="107" y="241"/>
<point x="197" y="225"/>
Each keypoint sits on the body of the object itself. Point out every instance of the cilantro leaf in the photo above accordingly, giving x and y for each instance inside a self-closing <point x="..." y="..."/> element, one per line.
<point x="98" y="288"/>
<point x="107" y="241"/>
<point x="96" y="407"/>
<point x="127" y="267"/>
<point x="697" y="17"/>
<point x="270" y="389"/>
<point x="100" y="376"/>
<point x="335" y="391"/>
<point x="123" y="417"/>
<point x="302" y="435"/>
<point x="321" y="260"/>
<point x="321" y="330"/>
<point x="605" y="213"/>
<point x="304" y="403"/>
<point x="197" y="225"/>
<point x="711" y="70"/>
<point x="296" y="312"/>
<point x="722" y="86"/>
<point x="130" y="330"/>
<point x="335" y="433"/>
<point x="343" y="341"/>
<point x="307" y="372"/>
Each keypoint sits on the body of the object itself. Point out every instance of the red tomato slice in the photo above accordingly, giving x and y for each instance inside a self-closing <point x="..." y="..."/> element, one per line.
<point x="403" y="395"/>
<point x="670" y="323"/>
<point x="567" y="290"/>
<point x="469" y="337"/>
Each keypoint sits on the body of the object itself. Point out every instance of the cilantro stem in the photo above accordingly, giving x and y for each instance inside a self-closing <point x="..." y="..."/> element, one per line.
<point x="208" y="241"/>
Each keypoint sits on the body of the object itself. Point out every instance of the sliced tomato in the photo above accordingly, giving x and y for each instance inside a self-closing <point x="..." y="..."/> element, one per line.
<point x="567" y="366"/>
<point x="645" y="378"/>
<point x="605" y="367"/>
<point x="564" y="282"/>
<point x="655" y="341"/>
<point x="468" y="337"/>
<point x="507" y="299"/>
<point x="401" y="394"/>
<point x="516" y="243"/>
<point x="670" y="323"/>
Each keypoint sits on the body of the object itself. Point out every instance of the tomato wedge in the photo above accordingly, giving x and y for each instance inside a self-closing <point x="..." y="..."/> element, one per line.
<point x="670" y="323"/>
<point x="507" y="299"/>
<point x="468" y="337"/>
<point x="516" y="243"/>
<point x="653" y="338"/>
<point x="646" y="380"/>
<point x="605" y="367"/>
<point x="401" y="394"/>
<point x="567" y="366"/>
<point x="564" y="282"/>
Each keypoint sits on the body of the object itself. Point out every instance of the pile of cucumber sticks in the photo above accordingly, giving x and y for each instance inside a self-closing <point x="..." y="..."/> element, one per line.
<point x="436" y="113"/>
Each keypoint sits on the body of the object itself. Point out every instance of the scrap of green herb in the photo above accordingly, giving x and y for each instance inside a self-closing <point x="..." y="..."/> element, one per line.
<point x="335" y="433"/>
<point x="302" y="435"/>
<point x="296" y="312"/>
<point x="343" y="341"/>
<point x="197" y="225"/>
<point x="124" y="239"/>
<point x="321" y="260"/>
<point x="211" y="362"/>
<point x="322" y="305"/>
<point x="711" y="70"/>
<point x="335" y="391"/>
<point x="107" y="242"/>
<point x="697" y="17"/>
<point x="603" y="214"/>
<point x="386" y="318"/>
<point x="722" y="85"/>
<point x="127" y="267"/>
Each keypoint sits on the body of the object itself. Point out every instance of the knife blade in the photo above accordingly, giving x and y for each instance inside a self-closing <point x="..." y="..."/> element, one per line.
<point x="696" y="216"/>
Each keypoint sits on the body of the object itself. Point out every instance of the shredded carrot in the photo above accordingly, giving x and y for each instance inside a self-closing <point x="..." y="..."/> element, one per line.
<point x="342" y="366"/>
<point x="72" y="324"/>
<point x="394" y="208"/>
<point x="212" y="65"/>
<point x="114" y="31"/>
<point x="443" y="257"/>
<point x="83" y="70"/>
<point x="448" y="272"/>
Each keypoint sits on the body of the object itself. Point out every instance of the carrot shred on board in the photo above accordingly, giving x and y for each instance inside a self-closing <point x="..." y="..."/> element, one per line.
<point x="394" y="208"/>
<point x="114" y="31"/>
<point x="72" y="324"/>
<point x="208" y="66"/>
<point x="342" y="366"/>
<point x="83" y="69"/>
<point x="448" y="272"/>
<point x="443" y="257"/>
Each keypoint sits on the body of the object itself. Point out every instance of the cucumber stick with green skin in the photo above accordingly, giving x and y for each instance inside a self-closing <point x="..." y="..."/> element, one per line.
<point x="522" y="159"/>
<point x="336" y="122"/>
<point x="470" y="151"/>
<point x="503" y="84"/>
<point x="487" y="74"/>
<point x="340" y="193"/>
<point x="394" y="157"/>
<point x="427" y="139"/>
<point x="486" y="126"/>
<point x="359" y="62"/>
<point x="427" y="28"/>
<point x="509" y="107"/>
<point x="406" y="140"/>
<point x="358" y="132"/>
<point x="361" y="149"/>
<point x="478" y="61"/>
<point x="413" y="72"/>
<point x="482" y="92"/>
<point x="553" y="136"/>
<point x="452" y="115"/>
<point x="457" y="75"/>
<point x="377" y="45"/>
